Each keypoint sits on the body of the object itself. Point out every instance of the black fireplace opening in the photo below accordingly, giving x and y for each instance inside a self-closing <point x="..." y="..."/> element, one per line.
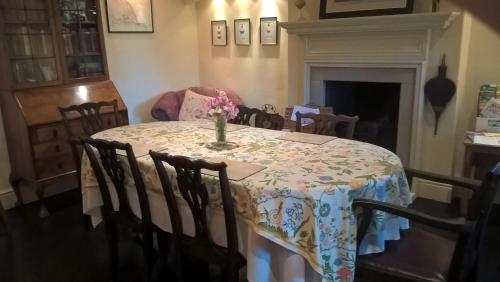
<point x="375" y="103"/>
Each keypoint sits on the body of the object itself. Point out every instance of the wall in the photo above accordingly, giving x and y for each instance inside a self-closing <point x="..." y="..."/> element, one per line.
<point x="257" y="73"/>
<point x="483" y="67"/>
<point x="142" y="66"/>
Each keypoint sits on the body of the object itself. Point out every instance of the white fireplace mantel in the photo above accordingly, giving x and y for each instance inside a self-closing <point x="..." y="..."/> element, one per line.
<point x="385" y="44"/>
<point x="417" y="21"/>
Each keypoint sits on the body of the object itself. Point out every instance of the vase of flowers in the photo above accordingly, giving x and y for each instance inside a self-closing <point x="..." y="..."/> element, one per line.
<point x="221" y="109"/>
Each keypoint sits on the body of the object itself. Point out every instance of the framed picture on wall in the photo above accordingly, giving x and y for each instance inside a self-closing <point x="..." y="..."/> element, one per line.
<point x="269" y="31"/>
<point x="242" y="32"/>
<point x="219" y="33"/>
<point x="363" y="8"/>
<point x="129" y="15"/>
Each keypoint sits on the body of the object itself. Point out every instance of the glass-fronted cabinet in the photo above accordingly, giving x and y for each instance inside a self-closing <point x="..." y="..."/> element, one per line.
<point x="80" y="22"/>
<point x="50" y="42"/>
<point x="30" y="41"/>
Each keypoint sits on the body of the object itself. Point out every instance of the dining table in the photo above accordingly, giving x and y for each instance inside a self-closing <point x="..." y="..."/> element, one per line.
<point x="292" y="193"/>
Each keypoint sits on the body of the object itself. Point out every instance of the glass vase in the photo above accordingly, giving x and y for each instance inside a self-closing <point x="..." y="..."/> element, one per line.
<point x="220" y="122"/>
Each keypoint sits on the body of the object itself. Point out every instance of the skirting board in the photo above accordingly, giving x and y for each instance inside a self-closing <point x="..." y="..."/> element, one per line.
<point x="8" y="198"/>
<point x="431" y="190"/>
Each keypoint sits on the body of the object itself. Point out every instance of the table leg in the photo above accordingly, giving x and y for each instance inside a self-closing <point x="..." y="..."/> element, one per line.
<point x="468" y="162"/>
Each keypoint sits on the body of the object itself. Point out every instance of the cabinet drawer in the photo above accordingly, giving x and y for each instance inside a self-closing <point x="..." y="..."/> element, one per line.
<point x="50" y="132"/>
<point x="51" y="149"/>
<point x="47" y="167"/>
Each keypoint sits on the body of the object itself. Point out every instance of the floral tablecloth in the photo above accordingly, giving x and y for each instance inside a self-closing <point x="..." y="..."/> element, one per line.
<point x="302" y="200"/>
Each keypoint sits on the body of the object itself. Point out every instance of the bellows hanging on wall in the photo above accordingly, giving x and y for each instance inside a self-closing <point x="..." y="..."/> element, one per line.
<point x="439" y="91"/>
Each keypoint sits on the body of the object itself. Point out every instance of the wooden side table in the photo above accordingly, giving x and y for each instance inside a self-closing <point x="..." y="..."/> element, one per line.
<point x="479" y="158"/>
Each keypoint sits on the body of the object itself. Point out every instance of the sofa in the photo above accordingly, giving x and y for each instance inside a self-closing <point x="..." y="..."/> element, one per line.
<point x="168" y="106"/>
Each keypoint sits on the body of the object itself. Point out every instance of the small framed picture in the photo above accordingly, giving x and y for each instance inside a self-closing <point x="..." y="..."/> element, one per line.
<point x="269" y="31"/>
<point x="219" y="33"/>
<point x="242" y="32"/>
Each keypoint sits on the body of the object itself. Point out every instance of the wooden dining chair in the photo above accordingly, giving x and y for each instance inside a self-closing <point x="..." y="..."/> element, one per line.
<point x="245" y="115"/>
<point x="194" y="191"/>
<point x="326" y="124"/>
<point x="422" y="255"/>
<point x="269" y="121"/>
<point x="91" y="120"/>
<point x="259" y="118"/>
<point x="115" y="168"/>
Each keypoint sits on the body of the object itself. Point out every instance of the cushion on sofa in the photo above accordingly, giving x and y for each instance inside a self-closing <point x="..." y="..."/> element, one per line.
<point x="194" y="106"/>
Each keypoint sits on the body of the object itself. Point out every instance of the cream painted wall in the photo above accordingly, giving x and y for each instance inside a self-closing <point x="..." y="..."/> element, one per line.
<point x="143" y="66"/>
<point x="483" y="67"/>
<point x="257" y="73"/>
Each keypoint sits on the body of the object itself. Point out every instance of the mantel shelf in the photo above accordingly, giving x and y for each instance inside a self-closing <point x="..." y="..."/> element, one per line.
<point x="417" y="21"/>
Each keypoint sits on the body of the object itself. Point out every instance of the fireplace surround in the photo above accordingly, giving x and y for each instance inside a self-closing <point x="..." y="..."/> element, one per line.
<point x="389" y="49"/>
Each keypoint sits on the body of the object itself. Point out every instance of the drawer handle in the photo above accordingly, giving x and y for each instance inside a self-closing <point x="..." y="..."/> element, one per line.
<point x="58" y="148"/>
<point x="59" y="165"/>
<point x="54" y="132"/>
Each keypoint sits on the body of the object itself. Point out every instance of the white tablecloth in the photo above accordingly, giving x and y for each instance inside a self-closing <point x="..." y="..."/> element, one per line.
<point x="295" y="221"/>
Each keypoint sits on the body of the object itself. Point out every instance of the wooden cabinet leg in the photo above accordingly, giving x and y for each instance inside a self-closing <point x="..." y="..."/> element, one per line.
<point x="40" y="192"/>
<point x="3" y="219"/>
<point x="15" y="182"/>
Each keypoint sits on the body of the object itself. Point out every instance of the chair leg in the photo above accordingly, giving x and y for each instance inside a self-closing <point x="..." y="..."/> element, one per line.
<point x="231" y="274"/>
<point x="87" y="222"/>
<point x="147" y="241"/>
<point x="112" y="238"/>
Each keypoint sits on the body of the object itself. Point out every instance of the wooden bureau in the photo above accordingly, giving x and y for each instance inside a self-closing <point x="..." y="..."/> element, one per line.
<point x="35" y="134"/>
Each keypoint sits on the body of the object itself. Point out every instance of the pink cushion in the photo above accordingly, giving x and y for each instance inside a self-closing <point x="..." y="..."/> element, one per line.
<point x="194" y="106"/>
<point x="169" y="104"/>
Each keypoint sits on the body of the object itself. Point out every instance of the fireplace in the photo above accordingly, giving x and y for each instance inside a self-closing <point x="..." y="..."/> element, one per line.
<point x="375" y="103"/>
<point x="382" y="97"/>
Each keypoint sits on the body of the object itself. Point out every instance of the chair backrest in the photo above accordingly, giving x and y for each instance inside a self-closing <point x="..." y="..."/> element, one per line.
<point x="114" y="166"/>
<point x="465" y="257"/>
<point x="90" y="115"/>
<point x="194" y="191"/>
<point x="245" y="115"/>
<point x="91" y="122"/>
<point x="259" y="118"/>
<point x="269" y="121"/>
<point x="325" y="124"/>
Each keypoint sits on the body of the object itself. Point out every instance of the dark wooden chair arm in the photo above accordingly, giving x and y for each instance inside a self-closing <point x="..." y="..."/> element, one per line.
<point x="468" y="183"/>
<point x="457" y="225"/>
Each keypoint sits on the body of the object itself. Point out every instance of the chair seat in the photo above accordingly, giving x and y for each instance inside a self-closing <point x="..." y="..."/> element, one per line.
<point x="418" y="256"/>
<point x="211" y="253"/>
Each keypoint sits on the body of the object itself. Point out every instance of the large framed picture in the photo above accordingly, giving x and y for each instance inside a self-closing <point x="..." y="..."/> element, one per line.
<point x="242" y="32"/>
<point x="269" y="31"/>
<point x="129" y="15"/>
<point x="362" y="8"/>
<point x="219" y="33"/>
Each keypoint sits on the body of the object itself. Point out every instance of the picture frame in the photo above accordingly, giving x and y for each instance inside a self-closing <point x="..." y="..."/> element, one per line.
<point x="219" y="33"/>
<point x="268" y="33"/>
<point x="242" y="31"/>
<point x="135" y="17"/>
<point x="330" y="9"/>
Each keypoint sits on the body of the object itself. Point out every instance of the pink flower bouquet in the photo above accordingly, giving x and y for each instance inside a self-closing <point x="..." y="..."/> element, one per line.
<point x="221" y="105"/>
